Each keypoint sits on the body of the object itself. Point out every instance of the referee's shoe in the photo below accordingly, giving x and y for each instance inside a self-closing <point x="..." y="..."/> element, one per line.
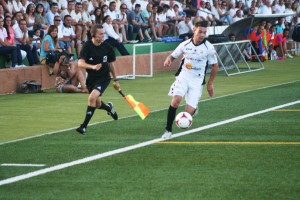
<point x="112" y="111"/>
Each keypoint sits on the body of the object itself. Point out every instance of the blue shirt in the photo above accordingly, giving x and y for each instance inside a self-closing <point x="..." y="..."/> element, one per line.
<point x="51" y="45"/>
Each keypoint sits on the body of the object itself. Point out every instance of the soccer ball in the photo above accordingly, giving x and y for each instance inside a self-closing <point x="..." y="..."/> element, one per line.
<point x="183" y="120"/>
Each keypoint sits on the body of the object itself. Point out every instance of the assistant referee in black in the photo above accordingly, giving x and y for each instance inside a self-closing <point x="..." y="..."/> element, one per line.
<point x="97" y="57"/>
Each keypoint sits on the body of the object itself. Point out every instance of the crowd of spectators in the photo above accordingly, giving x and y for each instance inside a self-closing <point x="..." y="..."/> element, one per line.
<point x="24" y="23"/>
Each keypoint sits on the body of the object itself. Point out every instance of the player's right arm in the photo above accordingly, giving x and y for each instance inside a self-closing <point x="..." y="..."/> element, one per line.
<point x="176" y="53"/>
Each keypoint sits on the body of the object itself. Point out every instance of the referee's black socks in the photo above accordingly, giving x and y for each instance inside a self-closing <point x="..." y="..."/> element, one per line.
<point x="89" y="114"/>
<point x="170" y="118"/>
<point x="105" y="107"/>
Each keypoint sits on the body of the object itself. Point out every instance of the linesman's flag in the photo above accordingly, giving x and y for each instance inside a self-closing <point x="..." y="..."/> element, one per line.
<point x="138" y="107"/>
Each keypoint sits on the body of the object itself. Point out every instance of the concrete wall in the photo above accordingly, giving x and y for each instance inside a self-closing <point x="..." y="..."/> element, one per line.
<point x="11" y="78"/>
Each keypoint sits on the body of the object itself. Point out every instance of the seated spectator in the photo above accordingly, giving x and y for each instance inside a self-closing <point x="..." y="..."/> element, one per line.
<point x="146" y="16"/>
<point x="215" y="13"/>
<point x="52" y="13"/>
<point x="11" y="38"/>
<point x="160" y="28"/>
<point x="68" y="76"/>
<point x="40" y="19"/>
<point x="30" y="19"/>
<point x="80" y="26"/>
<point x="138" y="26"/>
<point x="204" y="14"/>
<point x="36" y="39"/>
<point x="22" y="40"/>
<point x="185" y="28"/>
<point x="266" y="9"/>
<point x="112" y="37"/>
<point x="86" y="18"/>
<point x="224" y="14"/>
<point x="68" y="40"/>
<point x="97" y="17"/>
<point x="50" y="44"/>
<point x="7" y="48"/>
<point x="162" y="17"/>
<point x="122" y="22"/>
<point x="238" y="16"/>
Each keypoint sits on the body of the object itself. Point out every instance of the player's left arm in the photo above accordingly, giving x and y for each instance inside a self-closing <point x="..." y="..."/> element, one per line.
<point x="213" y="73"/>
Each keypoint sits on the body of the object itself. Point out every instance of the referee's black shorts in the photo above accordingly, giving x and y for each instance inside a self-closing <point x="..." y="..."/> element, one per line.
<point x="97" y="84"/>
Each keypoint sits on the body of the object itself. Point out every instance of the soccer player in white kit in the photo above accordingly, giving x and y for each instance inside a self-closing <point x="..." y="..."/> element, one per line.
<point x="198" y="53"/>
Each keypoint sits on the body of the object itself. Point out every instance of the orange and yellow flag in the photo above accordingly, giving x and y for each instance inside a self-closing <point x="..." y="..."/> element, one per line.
<point x="139" y="108"/>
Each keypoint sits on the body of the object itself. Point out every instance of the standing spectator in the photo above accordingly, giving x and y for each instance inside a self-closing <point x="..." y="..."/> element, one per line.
<point x="22" y="40"/>
<point x="97" y="57"/>
<point x="51" y="13"/>
<point x="17" y="6"/>
<point x="112" y="37"/>
<point x="185" y="28"/>
<point x="189" y="83"/>
<point x="7" y="48"/>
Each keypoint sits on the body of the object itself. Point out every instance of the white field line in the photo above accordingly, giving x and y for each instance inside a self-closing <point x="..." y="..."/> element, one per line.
<point x="73" y="128"/>
<point x="22" y="165"/>
<point x="136" y="146"/>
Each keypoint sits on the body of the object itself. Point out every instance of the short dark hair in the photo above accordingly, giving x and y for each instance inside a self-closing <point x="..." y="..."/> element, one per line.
<point x="201" y="24"/>
<point x="94" y="29"/>
<point x="137" y="5"/>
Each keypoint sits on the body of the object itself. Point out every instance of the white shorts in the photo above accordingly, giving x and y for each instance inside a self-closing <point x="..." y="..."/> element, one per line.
<point x="189" y="87"/>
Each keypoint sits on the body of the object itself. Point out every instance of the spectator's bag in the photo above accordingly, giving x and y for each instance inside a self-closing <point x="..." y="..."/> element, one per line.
<point x="296" y="33"/>
<point x="31" y="87"/>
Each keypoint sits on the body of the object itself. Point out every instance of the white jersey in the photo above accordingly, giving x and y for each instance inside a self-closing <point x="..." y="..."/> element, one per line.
<point x="195" y="57"/>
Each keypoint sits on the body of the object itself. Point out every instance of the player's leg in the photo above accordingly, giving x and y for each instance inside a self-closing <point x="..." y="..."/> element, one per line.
<point x="92" y="102"/>
<point x="177" y="90"/>
<point x="192" y="98"/>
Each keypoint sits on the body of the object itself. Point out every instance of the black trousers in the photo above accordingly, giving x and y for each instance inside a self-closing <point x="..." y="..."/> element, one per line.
<point x="119" y="45"/>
